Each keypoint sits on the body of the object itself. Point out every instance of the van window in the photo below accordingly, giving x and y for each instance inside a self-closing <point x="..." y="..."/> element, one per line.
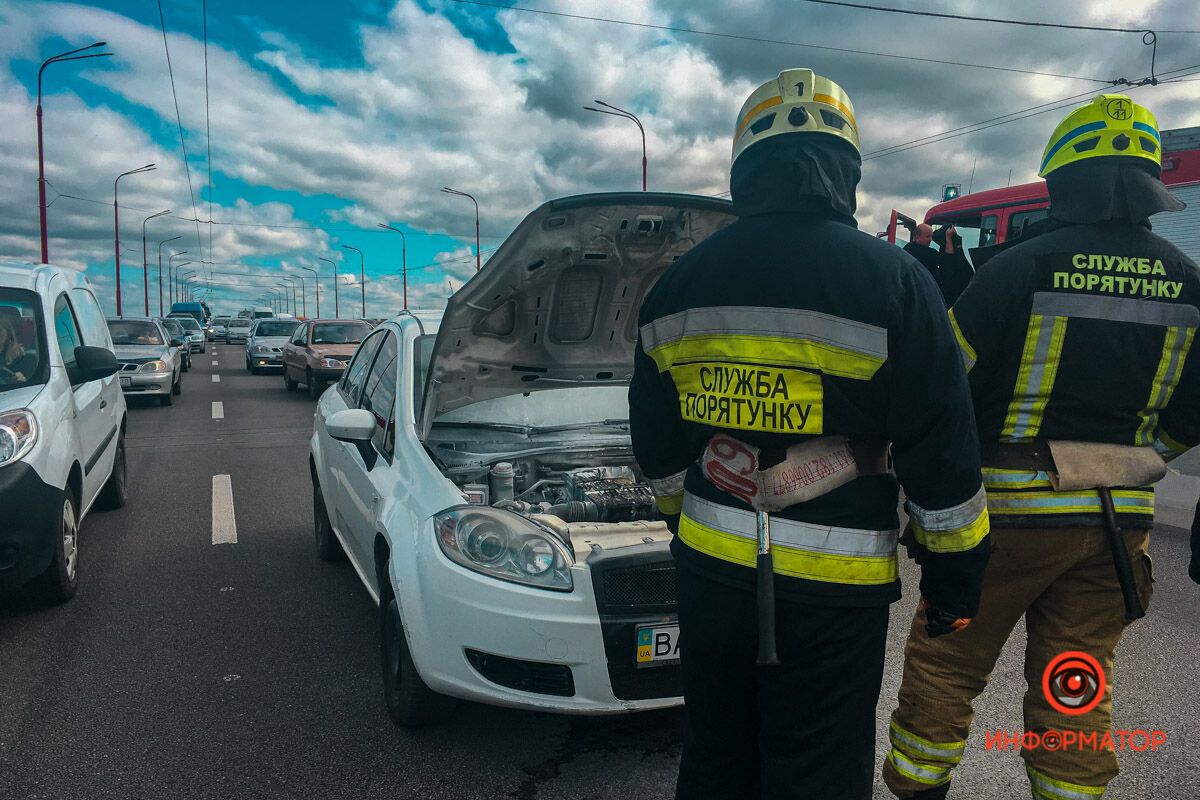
<point x="66" y="330"/>
<point x="22" y="352"/>
<point x="91" y="318"/>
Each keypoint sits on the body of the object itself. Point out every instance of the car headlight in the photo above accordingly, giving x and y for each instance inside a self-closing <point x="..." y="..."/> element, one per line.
<point x="154" y="366"/>
<point x="261" y="348"/>
<point x="18" y="433"/>
<point x="505" y="546"/>
<point x="332" y="363"/>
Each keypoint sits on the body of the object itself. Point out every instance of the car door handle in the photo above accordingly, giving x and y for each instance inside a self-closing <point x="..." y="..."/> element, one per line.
<point x="103" y="404"/>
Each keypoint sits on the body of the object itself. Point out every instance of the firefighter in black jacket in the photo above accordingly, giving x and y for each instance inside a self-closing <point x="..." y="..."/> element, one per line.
<point x="777" y="361"/>
<point x="1081" y="334"/>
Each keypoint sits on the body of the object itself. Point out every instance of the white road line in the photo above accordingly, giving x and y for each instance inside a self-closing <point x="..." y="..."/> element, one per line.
<point x="216" y="378"/>
<point x="224" y="528"/>
<point x="218" y="409"/>
<point x="214" y="363"/>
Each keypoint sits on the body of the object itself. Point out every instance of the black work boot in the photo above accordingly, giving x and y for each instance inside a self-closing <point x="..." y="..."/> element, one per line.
<point x="936" y="793"/>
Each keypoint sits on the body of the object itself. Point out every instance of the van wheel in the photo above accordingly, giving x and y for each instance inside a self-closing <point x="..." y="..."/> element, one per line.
<point x="328" y="546"/>
<point x="60" y="580"/>
<point x="410" y="703"/>
<point x="114" y="493"/>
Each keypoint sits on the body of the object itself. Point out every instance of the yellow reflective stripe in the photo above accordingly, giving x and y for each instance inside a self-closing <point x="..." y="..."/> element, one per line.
<point x="1125" y="501"/>
<point x="957" y="540"/>
<point x="951" y="752"/>
<point x="1167" y="447"/>
<point x="773" y="350"/>
<point x="752" y="113"/>
<point x="1046" y="787"/>
<point x="789" y="561"/>
<point x="670" y="504"/>
<point x="1035" y="379"/>
<point x="1176" y="344"/>
<point x="954" y="529"/>
<point x="1166" y="439"/>
<point x="839" y="105"/>
<point x="969" y="356"/>
<point x="994" y="478"/>
<point x="931" y="776"/>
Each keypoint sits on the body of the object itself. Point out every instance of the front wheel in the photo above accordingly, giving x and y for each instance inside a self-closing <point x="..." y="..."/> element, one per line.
<point x="177" y="386"/>
<point x="316" y="386"/>
<point x="60" y="580"/>
<point x="288" y="383"/>
<point x="410" y="703"/>
<point x="114" y="494"/>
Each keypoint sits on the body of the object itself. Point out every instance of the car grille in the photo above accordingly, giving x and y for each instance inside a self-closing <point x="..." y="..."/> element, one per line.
<point x="638" y="588"/>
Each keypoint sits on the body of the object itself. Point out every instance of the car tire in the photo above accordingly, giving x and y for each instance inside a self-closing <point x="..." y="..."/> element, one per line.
<point x="410" y="703"/>
<point x="249" y="367"/>
<point x="328" y="547"/>
<point x="58" y="583"/>
<point x="288" y="383"/>
<point x="256" y="371"/>
<point x="186" y="365"/>
<point x="166" y="399"/>
<point x="115" y="491"/>
<point x="316" y="386"/>
<point x="177" y="386"/>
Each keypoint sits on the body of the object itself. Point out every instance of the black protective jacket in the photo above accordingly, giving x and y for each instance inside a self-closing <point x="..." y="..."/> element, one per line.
<point x="791" y="324"/>
<point x="1082" y="333"/>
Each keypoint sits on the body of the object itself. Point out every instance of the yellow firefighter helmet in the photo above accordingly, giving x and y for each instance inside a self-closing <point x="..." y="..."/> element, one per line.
<point x="1110" y="125"/>
<point x="798" y="100"/>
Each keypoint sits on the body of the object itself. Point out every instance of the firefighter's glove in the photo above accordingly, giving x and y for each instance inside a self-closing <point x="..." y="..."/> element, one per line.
<point x="940" y="623"/>
<point x="916" y="550"/>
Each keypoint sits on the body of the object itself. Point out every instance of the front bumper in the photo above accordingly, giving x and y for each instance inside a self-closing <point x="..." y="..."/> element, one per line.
<point x="452" y="615"/>
<point x="27" y="535"/>
<point x="196" y="346"/>
<point x="327" y="374"/>
<point x="146" y="383"/>
<point x="266" y="359"/>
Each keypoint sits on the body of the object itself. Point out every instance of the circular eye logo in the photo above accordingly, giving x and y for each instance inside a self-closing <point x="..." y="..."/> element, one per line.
<point x="1073" y="683"/>
<point x="1119" y="109"/>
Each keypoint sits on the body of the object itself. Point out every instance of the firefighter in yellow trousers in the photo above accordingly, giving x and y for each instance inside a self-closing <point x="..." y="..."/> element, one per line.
<point x="1081" y="334"/>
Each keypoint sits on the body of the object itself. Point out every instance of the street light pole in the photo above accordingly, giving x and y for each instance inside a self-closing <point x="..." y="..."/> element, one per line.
<point x="336" y="310"/>
<point x="117" y="226"/>
<point x="317" y="286"/>
<point x="145" y="260"/>
<point x="448" y="190"/>
<point x="362" y="271"/>
<point x="171" y="267"/>
<point x="182" y="278"/>
<point x="67" y="56"/>
<point x="620" y="112"/>
<point x="160" y="293"/>
<point x="303" y="295"/>
<point x="403" y="258"/>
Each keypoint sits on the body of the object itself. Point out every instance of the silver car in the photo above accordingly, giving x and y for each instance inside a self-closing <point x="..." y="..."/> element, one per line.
<point x="216" y="329"/>
<point x="264" y="346"/>
<point x="197" y="341"/>
<point x="149" y="358"/>
<point x="238" y="329"/>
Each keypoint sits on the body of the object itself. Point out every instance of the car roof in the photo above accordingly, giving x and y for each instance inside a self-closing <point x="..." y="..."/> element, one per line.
<point x="32" y="277"/>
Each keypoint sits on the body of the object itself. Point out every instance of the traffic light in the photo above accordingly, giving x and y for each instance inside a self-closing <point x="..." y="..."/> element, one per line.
<point x="951" y="191"/>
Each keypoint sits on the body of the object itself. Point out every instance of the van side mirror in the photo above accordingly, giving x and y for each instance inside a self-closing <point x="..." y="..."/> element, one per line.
<point x="93" y="364"/>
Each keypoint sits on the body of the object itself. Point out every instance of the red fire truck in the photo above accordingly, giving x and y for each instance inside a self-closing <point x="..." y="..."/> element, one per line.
<point x="999" y="215"/>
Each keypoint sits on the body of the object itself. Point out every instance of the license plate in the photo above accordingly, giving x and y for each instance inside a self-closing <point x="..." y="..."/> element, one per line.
<point x="657" y="645"/>
<point x="125" y="382"/>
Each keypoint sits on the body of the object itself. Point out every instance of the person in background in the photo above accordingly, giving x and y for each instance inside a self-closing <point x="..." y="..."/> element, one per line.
<point x="15" y="363"/>
<point x="949" y="266"/>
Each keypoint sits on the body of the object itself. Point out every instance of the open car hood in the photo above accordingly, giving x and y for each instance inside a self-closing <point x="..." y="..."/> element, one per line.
<point x="557" y="304"/>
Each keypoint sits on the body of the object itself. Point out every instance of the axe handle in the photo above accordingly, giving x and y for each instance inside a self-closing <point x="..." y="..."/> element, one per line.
<point x="1120" y="554"/>
<point x="765" y="591"/>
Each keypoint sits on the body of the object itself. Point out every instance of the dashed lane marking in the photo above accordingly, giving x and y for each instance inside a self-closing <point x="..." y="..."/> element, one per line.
<point x="224" y="527"/>
<point x="218" y="410"/>
<point x="214" y="363"/>
<point x="216" y="378"/>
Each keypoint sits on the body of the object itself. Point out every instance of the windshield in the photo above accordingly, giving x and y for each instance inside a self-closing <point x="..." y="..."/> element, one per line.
<point x="21" y="337"/>
<point x="128" y="331"/>
<point x="220" y="321"/>
<point x="339" y="333"/>
<point x="263" y="314"/>
<point x="188" y="323"/>
<point x="275" y="328"/>
<point x="241" y="322"/>
<point x="173" y="327"/>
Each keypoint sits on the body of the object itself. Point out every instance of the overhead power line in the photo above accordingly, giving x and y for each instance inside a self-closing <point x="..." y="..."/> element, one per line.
<point x="179" y="121"/>
<point x="1026" y="22"/>
<point x="763" y="40"/>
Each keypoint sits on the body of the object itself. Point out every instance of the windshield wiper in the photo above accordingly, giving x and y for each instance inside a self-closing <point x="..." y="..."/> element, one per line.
<point x="574" y="426"/>
<point x="507" y="427"/>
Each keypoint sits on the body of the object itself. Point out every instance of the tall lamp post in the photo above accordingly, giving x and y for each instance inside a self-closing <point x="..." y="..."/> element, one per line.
<point x="67" y="56"/>
<point x="403" y="258"/>
<point x="448" y="190"/>
<point x="336" y="310"/>
<point x="317" y="286"/>
<point x="362" y="272"/>
<point x="171" y="267"/>
<point x="160" y="293"/>
<point x="303" y="294"/>
<point x="145" y="260"/>
<point x="288" y="303"/>
<point x="117" y="225"/>
<point x="183" y="278"/>
<point x="620" y="112"/>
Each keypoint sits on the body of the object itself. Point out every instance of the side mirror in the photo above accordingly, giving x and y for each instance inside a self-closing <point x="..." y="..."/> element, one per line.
<point x="93" y="364"/>
<point x="351" y="425"/>
<point x="177" y="342"/>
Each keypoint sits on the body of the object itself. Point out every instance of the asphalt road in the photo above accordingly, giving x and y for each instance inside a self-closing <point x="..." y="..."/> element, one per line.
<point x="184" y="669"/>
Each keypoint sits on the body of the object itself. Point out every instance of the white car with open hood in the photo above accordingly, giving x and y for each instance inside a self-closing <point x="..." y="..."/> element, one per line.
<point x="481" y="480"/>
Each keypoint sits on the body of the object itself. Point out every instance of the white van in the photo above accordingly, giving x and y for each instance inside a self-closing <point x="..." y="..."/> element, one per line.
<point x="62" y="424"/>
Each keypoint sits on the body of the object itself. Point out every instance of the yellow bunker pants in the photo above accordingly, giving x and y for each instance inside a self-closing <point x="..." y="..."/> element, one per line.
<point x="1063" y="582"/>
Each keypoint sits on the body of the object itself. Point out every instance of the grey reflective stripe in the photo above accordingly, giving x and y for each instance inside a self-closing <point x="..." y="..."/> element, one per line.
<point x="790" y="323"/>
<point x="1115" y="309"/>
<point x="949" y="519"/>
<point x="933" y="776"/>
<point x="950" y="753"/>
<point x="791" y="533"/>
<point x="1044" y="787"/>
<point x="665" y="487"/>
<point x="1030" y="391"/>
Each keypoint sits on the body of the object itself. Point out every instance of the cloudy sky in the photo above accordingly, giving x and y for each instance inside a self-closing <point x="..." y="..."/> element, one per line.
<point x="324" y="119"/>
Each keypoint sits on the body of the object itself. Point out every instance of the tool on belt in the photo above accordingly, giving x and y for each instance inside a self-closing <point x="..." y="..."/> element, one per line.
<point x="1073" y="466"/>
<point x="802" y="472"/>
